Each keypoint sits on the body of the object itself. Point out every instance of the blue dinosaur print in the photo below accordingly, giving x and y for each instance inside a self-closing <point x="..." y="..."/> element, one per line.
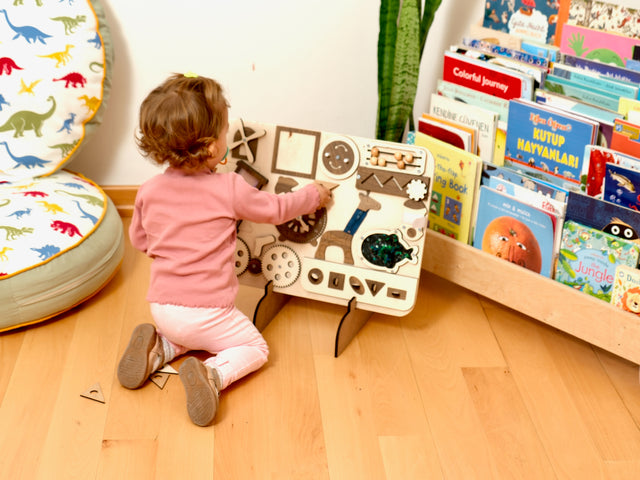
<point x="97" y="41"/>
<point x="66" y="126"/>
<point x="29" y="33"/>
<point x="29" y="161"/>
<point x="46" y="251"/>
<point x="85" y="214"/>
<point x="77" y="186"/>
<point x="3" y="102"/>
<point x="20" y="213"/>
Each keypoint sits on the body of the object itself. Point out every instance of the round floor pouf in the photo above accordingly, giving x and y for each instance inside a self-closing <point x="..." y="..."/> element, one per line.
<point x="61" y="240"/>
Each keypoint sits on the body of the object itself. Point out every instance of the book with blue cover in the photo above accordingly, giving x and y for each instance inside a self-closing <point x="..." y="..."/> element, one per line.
<point x="515" y="231"/>
<point x="622" y="186"/>
<point x="524" y="19"/>
<point x="548" y="143"/>
<point x="609" y="70"/>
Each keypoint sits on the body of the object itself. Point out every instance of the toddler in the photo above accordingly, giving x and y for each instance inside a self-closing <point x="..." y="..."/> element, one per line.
<point x="185" y="220"/>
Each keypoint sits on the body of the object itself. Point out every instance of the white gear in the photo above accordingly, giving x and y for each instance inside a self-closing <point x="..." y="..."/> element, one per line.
<point x="417" y="190"/>
<point x="281" y="265"/>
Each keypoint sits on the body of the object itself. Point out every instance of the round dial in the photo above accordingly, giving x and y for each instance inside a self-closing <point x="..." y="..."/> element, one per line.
<point x="305" y="228"/>
<point x="242" y="256"/>
<point x="281" y="265"/>
<point x="339" y="158"/>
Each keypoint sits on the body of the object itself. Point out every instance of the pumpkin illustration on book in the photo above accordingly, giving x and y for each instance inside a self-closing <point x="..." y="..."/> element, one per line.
<point x="509" y="238"/>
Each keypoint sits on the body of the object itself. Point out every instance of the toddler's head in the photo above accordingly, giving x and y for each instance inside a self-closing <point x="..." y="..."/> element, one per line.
<point x="180" y="119"/>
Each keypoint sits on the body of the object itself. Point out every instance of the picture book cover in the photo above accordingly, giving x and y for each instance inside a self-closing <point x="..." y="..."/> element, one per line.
<point x="607" y="16"/>
<point x="548" y="143"/>
<point x="626" y="137"/>
<point x="518" y="178"/>
<point x="588" y="259"/>
<point x="596" y="80"/>
<point x="599" y="98"/>
<point x="514" y="231"/>
<point x="523" y="18"/>
<point x="453" y="133"/>
<point x="483" y="120"/>
<point x="598" y="157"/>
<point x="607" y="69"/>
<point x="626" y="289"/>
<point x="595" y="44"/>
<point x="608" y="217"/>
<point x="629" y="108"/>
<point x="475" y="98"/>
<point x="486" y="77"/>
<point x="455" y="184"/>
<point x="622" y="186"/>
<point x="536" y="199"/>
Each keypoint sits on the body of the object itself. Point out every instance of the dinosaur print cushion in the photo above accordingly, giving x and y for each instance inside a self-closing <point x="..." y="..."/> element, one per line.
<point x="43" y="219"/>
<point x="53" y="61"/>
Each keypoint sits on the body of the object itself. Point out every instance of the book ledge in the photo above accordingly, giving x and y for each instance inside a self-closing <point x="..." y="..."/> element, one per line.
<point x="546" y="300"/>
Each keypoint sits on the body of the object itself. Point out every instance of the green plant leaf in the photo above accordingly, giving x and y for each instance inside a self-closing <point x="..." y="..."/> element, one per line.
<point x="389" y="10"/>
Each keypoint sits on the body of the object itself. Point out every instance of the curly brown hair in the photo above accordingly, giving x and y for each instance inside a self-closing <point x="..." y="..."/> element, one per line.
<point x="180" y="119"/>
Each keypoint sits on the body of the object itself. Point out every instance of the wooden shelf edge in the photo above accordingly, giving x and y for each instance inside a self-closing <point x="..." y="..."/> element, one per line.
<point x="123" y="197"/>
<point x="539" y="297"/>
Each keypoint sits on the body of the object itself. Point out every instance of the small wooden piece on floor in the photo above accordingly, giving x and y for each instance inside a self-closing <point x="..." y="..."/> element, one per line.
<point x="159" y="378"/>
<point x="94" y="393"/>
<point x="168" y="369"/>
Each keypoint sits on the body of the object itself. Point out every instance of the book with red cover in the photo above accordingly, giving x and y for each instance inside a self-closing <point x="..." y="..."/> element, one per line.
<point x="626" y="137"/>
<point x="485" y="77"/>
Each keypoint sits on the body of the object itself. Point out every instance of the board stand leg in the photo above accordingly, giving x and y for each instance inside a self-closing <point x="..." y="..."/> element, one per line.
<point x="268" y="306"/>
<point x="350" y="325"/>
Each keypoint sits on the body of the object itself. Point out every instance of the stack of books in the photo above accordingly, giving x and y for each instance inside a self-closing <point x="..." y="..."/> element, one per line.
<point x="535" y="128"/>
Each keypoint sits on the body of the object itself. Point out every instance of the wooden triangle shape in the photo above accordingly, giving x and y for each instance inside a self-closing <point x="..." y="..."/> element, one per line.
<point x="159" y="379"/>
<point x="374" y="286"/>
<point x="94" y="393"/>
<point x="168" y="369"/>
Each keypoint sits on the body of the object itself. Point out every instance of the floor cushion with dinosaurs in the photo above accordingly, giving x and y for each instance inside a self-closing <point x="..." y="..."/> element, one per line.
<point x="61" y="238"/>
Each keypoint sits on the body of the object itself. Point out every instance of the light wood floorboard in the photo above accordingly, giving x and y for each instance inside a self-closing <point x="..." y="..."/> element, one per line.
<point x="461" y="388"/>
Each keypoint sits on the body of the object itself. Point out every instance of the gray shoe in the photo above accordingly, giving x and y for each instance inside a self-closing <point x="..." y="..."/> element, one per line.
<point x="201" y="389"/>
<point x="143" y="356"/>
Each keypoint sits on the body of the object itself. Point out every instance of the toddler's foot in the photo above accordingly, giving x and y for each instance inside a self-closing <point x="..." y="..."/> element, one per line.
<point x="143" y="356"/>
<point x="201" y="386"/>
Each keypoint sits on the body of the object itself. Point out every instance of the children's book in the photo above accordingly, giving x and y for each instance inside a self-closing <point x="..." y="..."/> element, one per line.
<point x="522" y="18"/>
<point x="485" y="121"/>
<point x="609" y="16"/>
<point x="626" y="137"/>
<point x="455" y="184"/>
<point x="474" y="97"/>
<point x="588" y="259"/>
<point x="548" y="143"/>
<point x="598" y="158"/>
<point x="622" y="186"/>
<point x="515" y="231"/>
<point x="453" y="133"/>
<point x="486" y="77"/>
<point x="595" y="44"/>
<point x="551" y="52"/>
<point x="499" y="50"/>
<point x="518" y="178"/>
<point x="626" y="289"/>
<point x="597" y="81"/>
<point x="605" y="216"/>
<point x="593" y="96"/>
<point x="530" y="197"/>
<point x="629" y="108"/>
<point x="606" y="69"/>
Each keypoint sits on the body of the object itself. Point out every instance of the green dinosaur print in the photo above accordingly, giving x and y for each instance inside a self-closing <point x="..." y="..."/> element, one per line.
<point x="70" y="23"/>
<point x="13" y="232"/>
<point x="65" y="148"/>
<point x="26" y="120"/>
<point x="92" y="200"/>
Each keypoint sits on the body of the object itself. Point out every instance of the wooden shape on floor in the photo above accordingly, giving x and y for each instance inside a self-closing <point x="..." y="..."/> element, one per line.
<point x="94" y="393"/>
<point x="159" y="379"/>
<point x="350" y="325"/>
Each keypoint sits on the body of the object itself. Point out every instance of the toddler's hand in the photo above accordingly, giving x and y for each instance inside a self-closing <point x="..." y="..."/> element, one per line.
<point x="325" y="194"/>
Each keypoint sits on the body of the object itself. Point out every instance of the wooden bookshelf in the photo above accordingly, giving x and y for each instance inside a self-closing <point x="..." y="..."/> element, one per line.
<point x="539" y="297"/>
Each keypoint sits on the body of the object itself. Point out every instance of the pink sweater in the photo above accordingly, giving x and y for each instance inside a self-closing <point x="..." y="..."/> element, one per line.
<point x="187" y="225"/>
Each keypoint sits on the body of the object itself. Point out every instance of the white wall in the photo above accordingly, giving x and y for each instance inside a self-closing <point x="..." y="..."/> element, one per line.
<point x="308" y="63"/>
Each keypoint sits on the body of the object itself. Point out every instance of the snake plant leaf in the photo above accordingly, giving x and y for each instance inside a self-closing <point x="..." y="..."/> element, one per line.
<point x="406" y="68"/>
<point x="389" y="10"/>
<point x="430" y="8"/>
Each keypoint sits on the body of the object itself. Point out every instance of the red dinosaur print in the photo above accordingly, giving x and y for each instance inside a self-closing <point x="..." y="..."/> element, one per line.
<point x="8" y="65"/>
<point x="74" y="79"/>
<point x="65" y="227"/>
<point x="34" y="193"/>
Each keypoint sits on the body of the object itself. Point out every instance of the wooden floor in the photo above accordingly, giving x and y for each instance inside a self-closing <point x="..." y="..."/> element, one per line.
<point x="461" y="388"/>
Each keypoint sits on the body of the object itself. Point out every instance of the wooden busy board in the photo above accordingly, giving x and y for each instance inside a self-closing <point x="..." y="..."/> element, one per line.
<point x="368" y="245"/>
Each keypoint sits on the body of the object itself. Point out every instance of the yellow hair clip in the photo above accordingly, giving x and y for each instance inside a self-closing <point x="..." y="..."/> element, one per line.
<point x="191" y="75"/>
